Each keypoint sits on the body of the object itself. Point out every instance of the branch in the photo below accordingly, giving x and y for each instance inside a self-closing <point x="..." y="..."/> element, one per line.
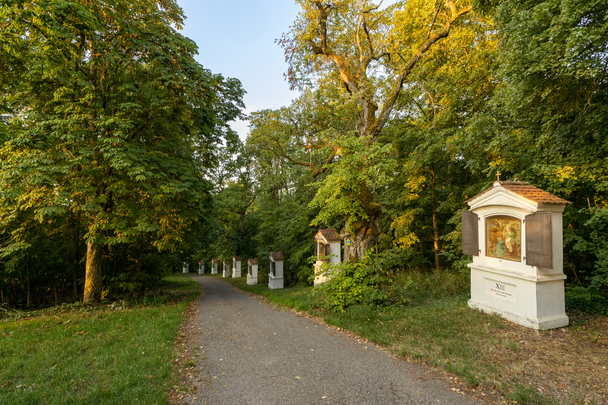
<point x="409" y="66"/>
<point x="358" y="37"/>
<point x="430" y="96"/>
<point x="323" y="14"/>
<point x="369" y="39"/>
<point x="338" y="60"/>
<point x="372" y="53"/>
<point x="280" y="152"/>
<point x="428" y="35"/>
<point x="244" y="210"/>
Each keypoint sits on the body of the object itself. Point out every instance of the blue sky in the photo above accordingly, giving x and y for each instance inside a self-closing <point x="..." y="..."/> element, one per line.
<point x="236" y="38"/>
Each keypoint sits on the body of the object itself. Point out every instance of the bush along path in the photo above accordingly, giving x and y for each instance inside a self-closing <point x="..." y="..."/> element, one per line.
<point x="245" y="352"/>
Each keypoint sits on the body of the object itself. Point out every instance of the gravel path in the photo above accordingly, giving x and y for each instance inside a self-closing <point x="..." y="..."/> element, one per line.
<point x="255" y="354"/>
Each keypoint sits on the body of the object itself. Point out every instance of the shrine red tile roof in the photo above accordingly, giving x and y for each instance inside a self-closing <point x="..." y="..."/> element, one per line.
<point x="252" y="261"/>
<point x="214" y="260"/>
<point x="329" y="234"/>
<point x="237" y="258"/>
<point x="201" y="262"/>
<point x="528" y="191"/>
<point x="276" y="256"/>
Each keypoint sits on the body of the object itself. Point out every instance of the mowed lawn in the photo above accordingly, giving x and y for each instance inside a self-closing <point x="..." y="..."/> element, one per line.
<point x="107" y="354"/>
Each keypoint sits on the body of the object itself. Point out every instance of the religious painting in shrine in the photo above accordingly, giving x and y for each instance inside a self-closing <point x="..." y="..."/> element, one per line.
<point x="503" y="237"/>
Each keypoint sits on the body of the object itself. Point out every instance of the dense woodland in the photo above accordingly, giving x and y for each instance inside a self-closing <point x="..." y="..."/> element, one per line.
<point x="118" y="164"/>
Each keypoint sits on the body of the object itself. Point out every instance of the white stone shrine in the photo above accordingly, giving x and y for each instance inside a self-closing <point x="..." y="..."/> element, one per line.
<point x="213" y="266"/>
<point x="226" y="270"/>
<point x="186" y="268"/>
<point x="328" y="249"/>
<point x="275" y="275"/>
<point x="252" y="271"/>
<point x="201" y="267"/>
<point x="514" y="232"/>
<point x="236" y="267"/>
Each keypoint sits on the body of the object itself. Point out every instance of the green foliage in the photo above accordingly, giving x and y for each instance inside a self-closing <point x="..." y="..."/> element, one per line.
<point x="363" y="167"/>
<point x="279" y="216"/>
<point x="234" y="228"/>
<point x="284" y="227"/>
<point x="352" y="283"/>
<point x="549" y="113"/>
<point x="397" y="259"/>
<point x="518" y="87"/>
<point x="586" y="299"/>
<point x="350" y="47"/>
<point x="592" y="243"/>
<point x="109" y="126"/>
<point x="121" y="138"/>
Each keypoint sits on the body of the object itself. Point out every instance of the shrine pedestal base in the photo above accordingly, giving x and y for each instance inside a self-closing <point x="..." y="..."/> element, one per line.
<point x="275" y="283"/>
<point x="532" y="301"/>
<point x="320" y="277"/>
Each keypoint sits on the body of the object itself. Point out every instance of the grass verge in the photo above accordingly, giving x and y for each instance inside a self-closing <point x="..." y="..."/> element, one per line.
<point x="118" y="353"/>
<point x="485" y="352"/>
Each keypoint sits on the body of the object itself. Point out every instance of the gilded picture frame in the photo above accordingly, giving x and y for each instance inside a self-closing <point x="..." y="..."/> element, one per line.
<point x="503" y="237"/>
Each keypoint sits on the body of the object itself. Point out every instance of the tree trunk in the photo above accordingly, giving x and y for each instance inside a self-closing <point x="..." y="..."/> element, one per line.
<point x="364" y="238"/>
<point x="435" y="223"/>
<point x="28" y="280"/>
<point x="92" y="285"/>
<point x="76" y="236"/>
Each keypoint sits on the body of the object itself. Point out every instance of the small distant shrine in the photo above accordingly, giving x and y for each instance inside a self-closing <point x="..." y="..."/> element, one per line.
<point x="236" y="267"/>
<point x="185" y="267"/>
<point x="226" y="269"/>
<point x="252" y="271"/>
<point x="213" y="266"/>
<point x="275" y="275"/>
<point x="201" y="267"/>
<point x="514" y="232"/>
<point x="328" y="243"/>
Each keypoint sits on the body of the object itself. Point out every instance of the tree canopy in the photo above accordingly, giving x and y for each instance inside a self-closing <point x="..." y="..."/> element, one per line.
<point x="110" y="121"/>
<point x="367" y="55"/>
<point x="407" y="111"/>
<point x="113" y="139"/>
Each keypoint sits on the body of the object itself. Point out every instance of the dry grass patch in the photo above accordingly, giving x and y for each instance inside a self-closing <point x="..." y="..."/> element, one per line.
<point x="566" y="364"/>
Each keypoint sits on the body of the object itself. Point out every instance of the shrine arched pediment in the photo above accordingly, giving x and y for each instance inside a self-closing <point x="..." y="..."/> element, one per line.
<point x="503" y="198"/>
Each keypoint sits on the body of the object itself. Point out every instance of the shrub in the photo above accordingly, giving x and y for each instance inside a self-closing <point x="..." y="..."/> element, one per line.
<point x="352" y="283"/>
<point x="586" y="299"/>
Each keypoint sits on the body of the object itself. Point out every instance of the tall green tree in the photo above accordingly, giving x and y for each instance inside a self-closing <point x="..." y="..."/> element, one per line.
<point x="432" y="133"/>
<point x="109" y="118"/>
<point x="369" y="54"/>
<point x="551" y="111"/>
<point x="281" y="211"/>
<point x="233" y="205"/>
